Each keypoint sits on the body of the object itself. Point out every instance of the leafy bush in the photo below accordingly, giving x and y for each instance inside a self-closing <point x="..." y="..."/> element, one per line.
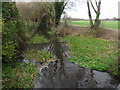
<point x="9" y="50"/>
<point x="11" y="31"/>
<point x="9" y="11"/>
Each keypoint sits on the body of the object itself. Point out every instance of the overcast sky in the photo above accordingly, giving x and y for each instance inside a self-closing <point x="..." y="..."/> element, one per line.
<point x="109" y="9"/>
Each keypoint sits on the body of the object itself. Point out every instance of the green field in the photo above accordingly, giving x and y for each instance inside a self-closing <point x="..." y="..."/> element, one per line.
<point x="105" y="24"/>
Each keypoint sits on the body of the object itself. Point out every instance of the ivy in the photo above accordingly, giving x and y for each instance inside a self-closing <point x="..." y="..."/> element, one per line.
<point x="11" y="28"/>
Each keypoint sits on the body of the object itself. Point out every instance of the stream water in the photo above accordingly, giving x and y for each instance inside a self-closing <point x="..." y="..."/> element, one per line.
<point x="61" y="73"/>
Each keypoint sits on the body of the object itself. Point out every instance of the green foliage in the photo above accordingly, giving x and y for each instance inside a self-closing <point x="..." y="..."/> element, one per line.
<point x="9" y="50"/>
<point x="18" y="75"/>
<point x="0" y="23"/>
<point x="32" y="26"/>
<point x="91" y="52"/>
<point x="59" y="8"/>
<point x="37" y="39"/>
<point x="44" y="15"/>
<point x="9" y="11"/>
<point x="39" y="16"/>
<point x="12" y="31"/>
<point x="9" y="30"/>
<point x="37" y="55"/>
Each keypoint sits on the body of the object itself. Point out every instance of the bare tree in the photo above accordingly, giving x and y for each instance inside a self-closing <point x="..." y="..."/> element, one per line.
<point x="96" y="24"/>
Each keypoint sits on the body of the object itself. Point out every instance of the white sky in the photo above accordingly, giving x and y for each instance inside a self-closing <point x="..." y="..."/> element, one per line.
<point x="109" y="9"/>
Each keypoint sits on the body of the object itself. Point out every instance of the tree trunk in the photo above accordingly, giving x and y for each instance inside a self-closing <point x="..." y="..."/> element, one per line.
<point x="97" y="20"/>
<point x="90" y="16"/>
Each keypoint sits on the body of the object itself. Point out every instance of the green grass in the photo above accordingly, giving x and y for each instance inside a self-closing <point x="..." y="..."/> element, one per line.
<point x="81" y="23"/>
<point x="18" y="75"/>
<point x="91" y="52"/>
<point x="105" y="24"/>
<point x="110" y="24"/>
<point x="37" y="39"/>
<point x="40" y="56"/>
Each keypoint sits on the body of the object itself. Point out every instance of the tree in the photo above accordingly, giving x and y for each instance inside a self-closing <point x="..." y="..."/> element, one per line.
<point x="39" y="14"/>
<point x="44" y="16"/>
<point x="59" y="8"/>
<point x="97" y="11"/>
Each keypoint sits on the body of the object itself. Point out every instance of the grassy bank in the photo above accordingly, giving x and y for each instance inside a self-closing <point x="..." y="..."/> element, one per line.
<point x="92" y="53"/>
<point x="37" y="39"/>
<point x="18" y="75"/>
<point x="105" y="24"/>
<point x="39" y="55"/>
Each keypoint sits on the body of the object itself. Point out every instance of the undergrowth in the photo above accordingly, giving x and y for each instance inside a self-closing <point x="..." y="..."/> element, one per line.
<point x="18" y="75"/>
<point x="38" y="55"/>
<point x="37" y="39"/>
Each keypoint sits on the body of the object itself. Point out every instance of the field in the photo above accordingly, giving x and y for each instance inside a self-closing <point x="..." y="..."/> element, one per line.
<point x="105" y="24"/>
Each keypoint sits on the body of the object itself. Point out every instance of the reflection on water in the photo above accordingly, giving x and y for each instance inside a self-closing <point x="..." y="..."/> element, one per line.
<point x="64" y="74"/>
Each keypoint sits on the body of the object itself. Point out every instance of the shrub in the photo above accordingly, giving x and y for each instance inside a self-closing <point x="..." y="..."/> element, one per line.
<point x="11" y="31"/>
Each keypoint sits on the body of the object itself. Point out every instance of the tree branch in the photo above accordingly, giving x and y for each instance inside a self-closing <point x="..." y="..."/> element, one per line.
<point x="99" y="6"/>
<point x="93" y="6"/>
<point x="89" y="13"/>
<point x="96" y="3"/>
